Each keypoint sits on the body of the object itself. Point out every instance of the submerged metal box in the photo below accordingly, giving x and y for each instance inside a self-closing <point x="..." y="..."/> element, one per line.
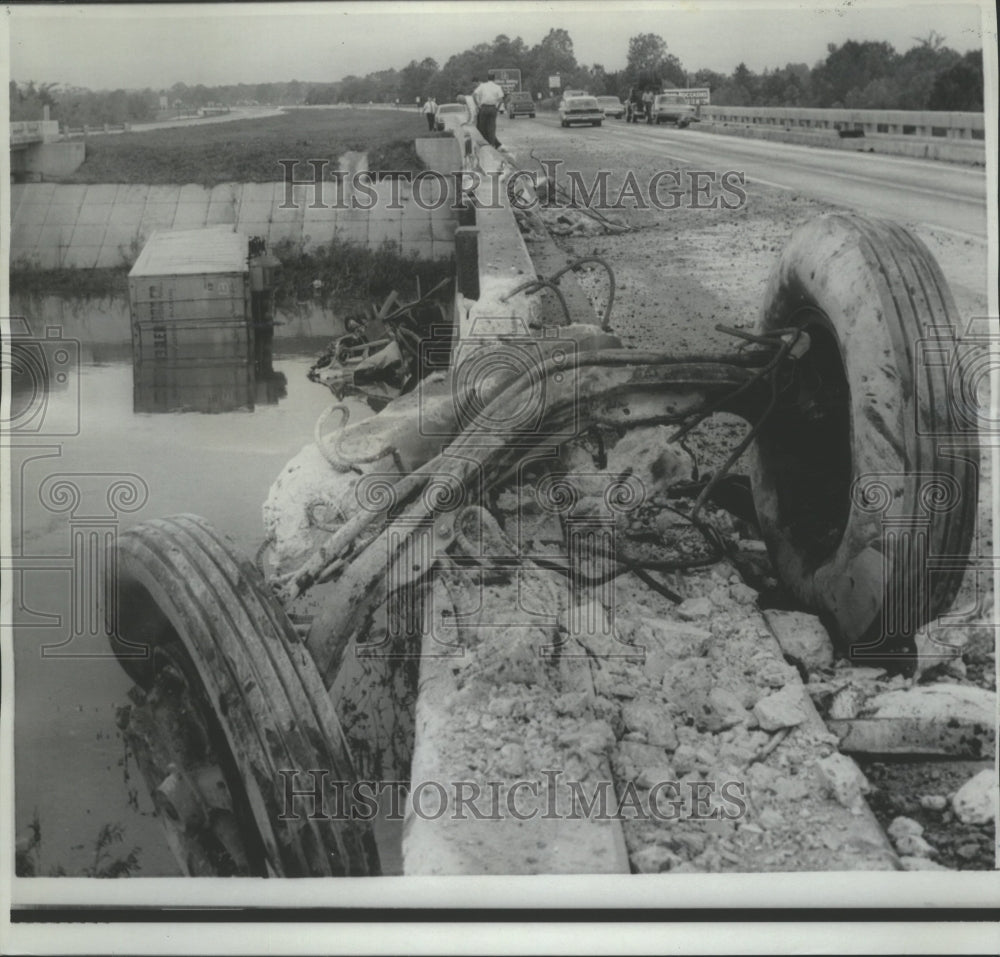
<point x="193" y="345"/>
<point x="191" y="274"/>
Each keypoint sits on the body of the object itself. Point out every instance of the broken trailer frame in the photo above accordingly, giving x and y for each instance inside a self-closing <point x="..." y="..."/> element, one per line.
<point x="863" y="472"/>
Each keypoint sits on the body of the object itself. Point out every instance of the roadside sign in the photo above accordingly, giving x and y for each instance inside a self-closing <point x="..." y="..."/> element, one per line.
<point x="696" y="96"/>
<point x="554" y="82"/>
<point x="509" y="80"/>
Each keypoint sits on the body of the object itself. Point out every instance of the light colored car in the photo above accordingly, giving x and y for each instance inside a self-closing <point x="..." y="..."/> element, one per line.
<point x="458" y="112"/>
<point x="580" y="109"/>
<point x="611" y="106"/>
<point x="668" y="109"/>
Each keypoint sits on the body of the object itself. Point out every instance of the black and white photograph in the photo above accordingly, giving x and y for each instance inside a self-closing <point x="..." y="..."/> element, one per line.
<point x="499" y="463"/>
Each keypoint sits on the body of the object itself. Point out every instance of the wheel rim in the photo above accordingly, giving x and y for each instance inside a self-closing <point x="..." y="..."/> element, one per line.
<point x="172" y="732"/>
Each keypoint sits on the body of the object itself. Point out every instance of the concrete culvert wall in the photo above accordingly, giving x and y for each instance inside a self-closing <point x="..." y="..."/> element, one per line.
<point x="75" y="226"/>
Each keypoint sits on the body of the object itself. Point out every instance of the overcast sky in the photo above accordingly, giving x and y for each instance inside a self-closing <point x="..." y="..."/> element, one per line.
<point x="104" y="47"/>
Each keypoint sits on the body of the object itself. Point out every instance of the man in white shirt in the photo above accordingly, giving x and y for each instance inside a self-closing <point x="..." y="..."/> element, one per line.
<point x="488" y="97"/>
<point x="430" y="111"/>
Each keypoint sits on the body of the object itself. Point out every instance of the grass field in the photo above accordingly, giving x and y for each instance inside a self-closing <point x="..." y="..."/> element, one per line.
<point x="247" y="151"/>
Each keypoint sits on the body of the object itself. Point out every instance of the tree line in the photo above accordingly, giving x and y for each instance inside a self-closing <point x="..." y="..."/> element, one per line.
<point x="76" y="106"/>
<point x="857" y="74"/>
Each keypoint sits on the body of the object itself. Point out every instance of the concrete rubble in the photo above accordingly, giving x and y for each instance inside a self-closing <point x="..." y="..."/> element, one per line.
<point x="802" y="637"/>
<point x="976" y="801"/>
<point x="684" y="706"/>
<point x="689" y="707"/>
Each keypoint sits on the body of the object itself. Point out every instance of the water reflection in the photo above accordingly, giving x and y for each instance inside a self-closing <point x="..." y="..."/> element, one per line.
<point x="208" y="367"/>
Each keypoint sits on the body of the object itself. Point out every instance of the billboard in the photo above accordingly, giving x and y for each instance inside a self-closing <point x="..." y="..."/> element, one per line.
<point x="696" y="96"/>
<point x="510" y="80"/>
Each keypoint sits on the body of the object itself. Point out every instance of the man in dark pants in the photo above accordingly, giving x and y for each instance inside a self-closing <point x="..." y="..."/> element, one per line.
<point x="430" y="112"/>
<point x="488" y="97"/>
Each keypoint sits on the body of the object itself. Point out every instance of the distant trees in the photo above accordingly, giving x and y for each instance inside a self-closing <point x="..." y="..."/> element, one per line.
<point x="28" y="102"/>
<point x="858" y="74"/>
<point x="960" y="86"/>
<point x="648" y="63"/>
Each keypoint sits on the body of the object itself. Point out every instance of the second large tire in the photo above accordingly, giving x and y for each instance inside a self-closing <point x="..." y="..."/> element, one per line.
<point x="861" y="474"/>
<point x="229" y="685"/>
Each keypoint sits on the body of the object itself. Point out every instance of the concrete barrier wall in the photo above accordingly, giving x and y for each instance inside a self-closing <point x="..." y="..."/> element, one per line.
<point x="971" y="152"/>
<point x="919" y="123"/>
<point x="79" y="226"/>
<point x="33" y="131"/>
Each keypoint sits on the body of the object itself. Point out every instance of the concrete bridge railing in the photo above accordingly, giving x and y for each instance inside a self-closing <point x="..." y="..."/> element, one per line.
<point x="23" y="132"/>
<point x="919" y="123"/>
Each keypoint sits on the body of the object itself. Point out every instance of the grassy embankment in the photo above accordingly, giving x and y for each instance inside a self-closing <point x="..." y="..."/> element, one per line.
<point x="247" y="151"/>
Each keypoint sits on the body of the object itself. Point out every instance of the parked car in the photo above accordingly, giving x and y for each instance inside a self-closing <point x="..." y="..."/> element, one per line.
<point x="568" y="93"/>
<point x="611" y="106"/>
<point x="580" y="109"/>
<point x="668" y="109"/>
<point x="520" y="104"/>
<point x="459" y="110"/>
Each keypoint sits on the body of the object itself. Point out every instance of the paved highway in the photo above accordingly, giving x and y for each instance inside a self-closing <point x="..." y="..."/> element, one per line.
<point x="941" y="195"/>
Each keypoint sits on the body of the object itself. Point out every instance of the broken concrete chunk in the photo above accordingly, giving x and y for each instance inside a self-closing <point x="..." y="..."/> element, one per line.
<point x="942" y="702"/>
<point x="686" y="685"/>
<point x="654" y="860"/>
<point x="651" y="719"/>
<point x="573" y="703"/>
<point x="728" y="707"/>
<point x="742" y="594"/>
<point x="677" y="638"/>
<point x="630" y="757"/>
<point x="650" y="777"/>
<point x="685" y="759"/>
<point x="595" y="737"/>
<point x="955" y="720"/>
<point x="771" y="819"/>
<point x="846" y="703"/>
<point x="913" y="845"/>
<point x="933" y="802"/>
<point x="904" y="827"/>
<point x="843" y="778"/>
<point x="512" y="759"/>
<point x="783" y="709"/>
<point x="975" y="801"/>
<point x="776" y="674"/>
<point x="802" y="637"/>
<point x="693" y="608"/>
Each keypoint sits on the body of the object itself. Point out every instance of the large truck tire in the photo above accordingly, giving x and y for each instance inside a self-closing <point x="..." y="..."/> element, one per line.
<point x="230" y="714"/>
<point x="857" y="474"/>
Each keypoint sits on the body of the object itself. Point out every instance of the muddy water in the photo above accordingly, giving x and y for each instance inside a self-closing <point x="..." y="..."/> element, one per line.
<point x="68" y="752"/>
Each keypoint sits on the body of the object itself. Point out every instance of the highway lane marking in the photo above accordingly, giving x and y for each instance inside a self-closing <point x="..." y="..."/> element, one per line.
<point x="851" y="155"/>
<point x="761" y="146"/>
<point x="868" y="180"/>
<point x="782" y="186"/>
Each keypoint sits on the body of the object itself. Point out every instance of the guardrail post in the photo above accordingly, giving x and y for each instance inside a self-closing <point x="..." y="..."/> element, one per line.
<point x="467" y="261"/>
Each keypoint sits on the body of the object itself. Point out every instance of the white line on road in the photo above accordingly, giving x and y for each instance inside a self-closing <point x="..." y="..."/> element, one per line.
<point x="853" y="177"/>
